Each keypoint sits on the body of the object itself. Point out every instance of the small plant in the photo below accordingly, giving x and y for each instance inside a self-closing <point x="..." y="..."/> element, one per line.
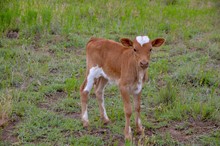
<point x="71" y="85"/>
<point x="171" y="2"/>
<point x="168" y="94"/>
<point x="30" y="17"/>
<point x="46" y="16"/>
<point x="1" y="45"/>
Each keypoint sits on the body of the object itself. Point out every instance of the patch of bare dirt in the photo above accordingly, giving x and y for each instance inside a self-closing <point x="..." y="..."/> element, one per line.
<point x="160" y="82"/>
<point x="52" y="98"/>
<point x="51" y="52"/>
<point x="13" y="34"/>
<point x="56" y="39"/>
<point x="74" y="115"/>
<point x="35" y="45"/>
<point x="196" y="49"/>
<point x="7" y="134"/>
<point x="185" y="132"/>
<point x="54" y="70"/>
<point x="194" y="129"/>
<point x="25" y="83"/>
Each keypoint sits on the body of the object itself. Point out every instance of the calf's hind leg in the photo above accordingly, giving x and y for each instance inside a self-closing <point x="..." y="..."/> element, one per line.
<point x="84" y="100"/>
<point x="99" y="91"/>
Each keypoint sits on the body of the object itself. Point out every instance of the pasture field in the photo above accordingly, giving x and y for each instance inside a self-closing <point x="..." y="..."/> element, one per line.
<point x="42" y="65"/>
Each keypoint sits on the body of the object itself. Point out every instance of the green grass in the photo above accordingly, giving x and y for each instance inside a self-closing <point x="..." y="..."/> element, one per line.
<point x="41" y="71"/>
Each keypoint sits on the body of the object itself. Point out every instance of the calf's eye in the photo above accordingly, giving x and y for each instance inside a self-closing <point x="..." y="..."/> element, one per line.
<point x="135" y="50"/>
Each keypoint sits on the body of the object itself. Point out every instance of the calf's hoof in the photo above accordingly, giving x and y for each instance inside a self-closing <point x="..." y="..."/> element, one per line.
<point x="85" y="124"/>
<point x="105" y="121"/>
<point x="128" y="134"/>
<point x="128" y="137"/>
<point x="139" y="130"/>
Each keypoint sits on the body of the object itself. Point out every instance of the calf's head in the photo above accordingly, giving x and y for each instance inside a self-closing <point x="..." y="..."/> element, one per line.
<point x="142" y="47"/>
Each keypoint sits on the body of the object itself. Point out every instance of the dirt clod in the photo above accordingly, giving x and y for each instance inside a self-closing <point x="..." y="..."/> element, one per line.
<point x="13" y="34"/>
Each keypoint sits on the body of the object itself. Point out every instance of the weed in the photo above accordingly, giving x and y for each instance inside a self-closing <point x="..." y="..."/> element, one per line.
<point x="30" y="18"/>
<point x="5" y="106"/>
<point x="71" y="85"/>
<point x="168" y="94"/>
<point x="46" y="16"/>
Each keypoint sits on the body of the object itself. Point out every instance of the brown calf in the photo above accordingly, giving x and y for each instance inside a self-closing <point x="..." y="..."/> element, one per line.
<point x="124" y="63"/>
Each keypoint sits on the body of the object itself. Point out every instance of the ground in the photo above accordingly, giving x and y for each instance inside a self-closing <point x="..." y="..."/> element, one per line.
<point x="42" y="65"/>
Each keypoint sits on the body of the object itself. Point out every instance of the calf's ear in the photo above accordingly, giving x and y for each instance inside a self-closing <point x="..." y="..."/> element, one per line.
<point x="126" y="42"/>
<point x="157" y="42"/>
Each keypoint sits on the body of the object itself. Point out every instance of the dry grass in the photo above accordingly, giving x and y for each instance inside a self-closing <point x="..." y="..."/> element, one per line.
<point x="5" y="106"/>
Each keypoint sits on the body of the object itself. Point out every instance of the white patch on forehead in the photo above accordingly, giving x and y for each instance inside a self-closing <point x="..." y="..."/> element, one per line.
<point x="142" y="40"/>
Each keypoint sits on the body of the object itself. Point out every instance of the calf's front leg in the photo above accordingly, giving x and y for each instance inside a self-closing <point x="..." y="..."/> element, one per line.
<point x="137" y="104"/>
<point x="84" y="100"/>
<point x="127" y="111"/>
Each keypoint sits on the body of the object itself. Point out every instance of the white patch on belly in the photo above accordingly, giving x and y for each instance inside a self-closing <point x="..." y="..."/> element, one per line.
<point x="94" y="73"/>
<point x="142" y="40"/>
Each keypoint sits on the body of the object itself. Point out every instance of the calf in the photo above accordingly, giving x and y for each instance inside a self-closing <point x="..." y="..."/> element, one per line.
<point x="124" y="63"/>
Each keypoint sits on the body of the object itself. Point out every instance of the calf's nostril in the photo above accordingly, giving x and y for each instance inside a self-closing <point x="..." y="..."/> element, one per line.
<point x="144" y="64"/>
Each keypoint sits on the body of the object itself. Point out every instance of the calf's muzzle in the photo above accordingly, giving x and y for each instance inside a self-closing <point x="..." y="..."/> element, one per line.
<point x="144" y="64"/>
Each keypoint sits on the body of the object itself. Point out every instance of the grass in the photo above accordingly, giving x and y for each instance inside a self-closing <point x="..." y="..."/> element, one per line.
<point x="5" y="106"/>
<point x="42" y="69"/>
